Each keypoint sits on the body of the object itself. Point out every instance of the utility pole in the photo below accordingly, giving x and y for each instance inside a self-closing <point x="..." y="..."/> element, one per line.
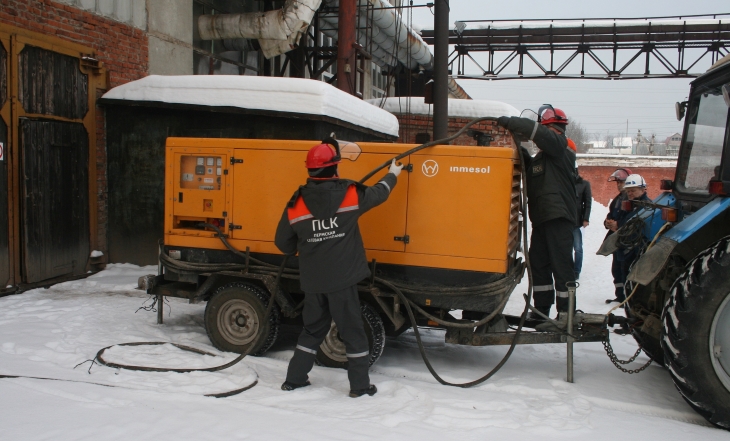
<point x="440" y="70"/>
<point x="346" y="61"/>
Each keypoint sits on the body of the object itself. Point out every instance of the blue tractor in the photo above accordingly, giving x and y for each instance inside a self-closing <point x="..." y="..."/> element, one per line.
<point x="680" y="284"/>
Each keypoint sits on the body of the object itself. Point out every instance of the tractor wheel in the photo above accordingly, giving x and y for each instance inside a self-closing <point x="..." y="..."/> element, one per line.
<point x="649" y="343"/>
<point x="332" y="350"/>
<point x="696" y="336"/>
<point x="234" y="319"/>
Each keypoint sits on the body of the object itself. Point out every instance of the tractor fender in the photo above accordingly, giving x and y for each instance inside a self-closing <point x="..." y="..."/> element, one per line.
<point x="648" y="266"/>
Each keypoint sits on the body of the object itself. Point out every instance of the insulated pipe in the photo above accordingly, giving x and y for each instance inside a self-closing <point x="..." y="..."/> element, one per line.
<point x="278" y="31"/>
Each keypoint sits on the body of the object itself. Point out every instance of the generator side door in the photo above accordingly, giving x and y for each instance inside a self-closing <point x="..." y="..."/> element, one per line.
<point x="459" y="206"/>
<point x="272" y="170"/>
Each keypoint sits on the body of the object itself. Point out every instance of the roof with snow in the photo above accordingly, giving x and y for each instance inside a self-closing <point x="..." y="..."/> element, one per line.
<point x="457" y="108"/>
<point x="273" y="94"/>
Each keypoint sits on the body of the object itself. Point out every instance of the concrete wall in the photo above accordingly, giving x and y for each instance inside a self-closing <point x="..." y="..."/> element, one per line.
<point x="170" y="31"/>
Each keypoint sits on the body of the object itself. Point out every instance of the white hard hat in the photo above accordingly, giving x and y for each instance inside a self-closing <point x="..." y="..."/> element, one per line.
<point x="635" y="181"/>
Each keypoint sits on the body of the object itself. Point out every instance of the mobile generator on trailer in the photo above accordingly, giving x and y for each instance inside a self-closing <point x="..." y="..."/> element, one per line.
<point x="448" y="235"/>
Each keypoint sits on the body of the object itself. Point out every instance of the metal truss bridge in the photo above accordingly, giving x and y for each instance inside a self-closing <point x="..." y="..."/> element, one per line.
<point x="656" y="47"/>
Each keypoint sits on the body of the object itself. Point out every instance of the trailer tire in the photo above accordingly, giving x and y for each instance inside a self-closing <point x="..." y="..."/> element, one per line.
<point x="331" y="352"/>
<point x="696" y="334"/>
<point x="233" y="319"/>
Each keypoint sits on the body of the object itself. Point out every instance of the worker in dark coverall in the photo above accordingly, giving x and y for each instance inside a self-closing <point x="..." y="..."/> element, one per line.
<point x="583" y="198"/>
<point x="635" y="189"/>
<point x="611" y="223"/>
<point x="552" y="205"/>
<point x="320" y="222"/>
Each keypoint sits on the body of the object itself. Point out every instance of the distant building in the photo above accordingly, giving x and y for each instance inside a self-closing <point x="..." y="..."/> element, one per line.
<point x="672" y="144"/>
<point x="648" y="146"/>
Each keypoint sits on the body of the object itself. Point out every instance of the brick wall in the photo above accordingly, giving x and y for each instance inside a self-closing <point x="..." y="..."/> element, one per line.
<point x="411" y="125"/>
<point x="122" y="49"/>
<point x="604" y="191"/>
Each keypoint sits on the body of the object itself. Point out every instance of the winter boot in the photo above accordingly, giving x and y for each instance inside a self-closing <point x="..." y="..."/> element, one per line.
<point x="535" y="317"/>
<point x="287" y="386"/>
<point x="360" y="392"/>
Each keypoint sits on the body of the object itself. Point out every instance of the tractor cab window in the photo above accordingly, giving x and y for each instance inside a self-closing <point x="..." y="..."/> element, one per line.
<point x="706" y="134"/>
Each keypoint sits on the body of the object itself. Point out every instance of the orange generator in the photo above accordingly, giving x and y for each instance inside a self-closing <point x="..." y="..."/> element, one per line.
<point x="447" y="236"/>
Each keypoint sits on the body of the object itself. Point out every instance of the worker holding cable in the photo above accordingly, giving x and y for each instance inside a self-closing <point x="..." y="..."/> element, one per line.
<point x="321" y="223"/>
<point x="552" y="205"/>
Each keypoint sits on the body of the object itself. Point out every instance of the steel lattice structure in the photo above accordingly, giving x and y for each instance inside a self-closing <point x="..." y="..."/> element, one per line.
<point x="600" y="43"/>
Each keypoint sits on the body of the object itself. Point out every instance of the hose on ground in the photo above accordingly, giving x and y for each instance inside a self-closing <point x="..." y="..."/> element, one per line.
<point x="99" y="355"/>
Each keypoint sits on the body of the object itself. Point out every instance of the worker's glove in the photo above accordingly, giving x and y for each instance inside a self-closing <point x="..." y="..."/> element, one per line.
<point x="395" y="168"/>
<point x="503" y="121"/>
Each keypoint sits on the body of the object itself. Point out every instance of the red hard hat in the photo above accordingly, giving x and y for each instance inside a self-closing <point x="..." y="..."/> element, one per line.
<point x="620" y="174"/>
<point x="553" y="116"/>
<point x="321" y="155"/>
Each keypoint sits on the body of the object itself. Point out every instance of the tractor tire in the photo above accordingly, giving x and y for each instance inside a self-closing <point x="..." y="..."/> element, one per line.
<point x="331" y="352"/>
<point x="234" y="319"/>
<point x="696" y="335"/>
<point x="650" y="344"/>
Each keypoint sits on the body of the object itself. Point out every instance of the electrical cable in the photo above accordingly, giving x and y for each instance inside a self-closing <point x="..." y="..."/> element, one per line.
<point x="524" y="312"/>
<point x="231" y="363"/>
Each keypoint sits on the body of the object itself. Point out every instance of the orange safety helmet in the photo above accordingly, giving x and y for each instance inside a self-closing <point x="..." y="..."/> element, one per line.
<point x="550" y="115"/>
<point x="323" y="155"/>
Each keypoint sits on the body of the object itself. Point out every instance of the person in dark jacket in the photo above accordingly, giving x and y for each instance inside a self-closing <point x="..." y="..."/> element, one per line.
<point x="611" y="223"/>
<point x="552" y="205"/>
<point x="584" y="198"/>
<point x="321" y="223"/>
<point x="635" y="188"/>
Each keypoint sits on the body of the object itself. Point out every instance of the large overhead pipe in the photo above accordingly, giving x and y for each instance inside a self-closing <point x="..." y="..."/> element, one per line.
<point x="278" y="31"/>
<point x="441" y="70"/>
<point x="346" y="58"/>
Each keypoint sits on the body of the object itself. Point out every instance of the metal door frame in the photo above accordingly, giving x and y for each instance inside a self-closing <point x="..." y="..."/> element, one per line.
<point x="14" y="39"/>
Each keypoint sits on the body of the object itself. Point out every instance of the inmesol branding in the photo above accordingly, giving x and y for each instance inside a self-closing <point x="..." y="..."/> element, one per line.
<point x="457" y="169"/>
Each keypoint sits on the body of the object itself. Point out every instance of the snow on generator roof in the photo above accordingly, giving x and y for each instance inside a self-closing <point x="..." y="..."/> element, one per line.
<point x="290" y="95"/>
<point x="457" y="108"/>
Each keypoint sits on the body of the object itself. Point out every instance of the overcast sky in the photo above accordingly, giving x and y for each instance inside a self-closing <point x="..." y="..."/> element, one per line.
<point x="602" y="107"/>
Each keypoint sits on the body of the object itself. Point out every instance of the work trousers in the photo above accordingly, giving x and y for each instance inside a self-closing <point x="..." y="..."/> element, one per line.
<point x="551" y="259"/>
<point x="319" y="310"/>
<point x="578" y="250"/>
<point x="619" y="277"/>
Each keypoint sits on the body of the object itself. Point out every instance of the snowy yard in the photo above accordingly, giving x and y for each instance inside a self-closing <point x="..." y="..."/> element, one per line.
<point x="46" y="332"/>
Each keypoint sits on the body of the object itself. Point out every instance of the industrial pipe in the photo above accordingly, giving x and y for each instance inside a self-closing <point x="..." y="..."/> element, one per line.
<point x="441" y="70"/>
<point x="278" y="31"/>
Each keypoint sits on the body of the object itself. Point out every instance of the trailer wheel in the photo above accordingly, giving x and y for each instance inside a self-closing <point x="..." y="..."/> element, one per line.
<point x="696" y="336"/>
<point x="234" y="319"/>
<point x="332" y="350"/>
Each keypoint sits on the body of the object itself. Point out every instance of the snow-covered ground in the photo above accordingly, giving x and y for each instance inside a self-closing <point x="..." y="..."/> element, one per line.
<point x="46" y="332"/>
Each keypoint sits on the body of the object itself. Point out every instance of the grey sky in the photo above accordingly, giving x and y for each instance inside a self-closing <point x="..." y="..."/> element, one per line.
<point x="602" y="107"/>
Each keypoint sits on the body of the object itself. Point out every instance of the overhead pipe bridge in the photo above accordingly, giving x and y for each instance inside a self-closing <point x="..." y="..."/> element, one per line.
<point x="601" y="48"/>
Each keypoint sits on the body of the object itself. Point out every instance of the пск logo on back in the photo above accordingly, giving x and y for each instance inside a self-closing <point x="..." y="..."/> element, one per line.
<point x="430" y="168"/>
